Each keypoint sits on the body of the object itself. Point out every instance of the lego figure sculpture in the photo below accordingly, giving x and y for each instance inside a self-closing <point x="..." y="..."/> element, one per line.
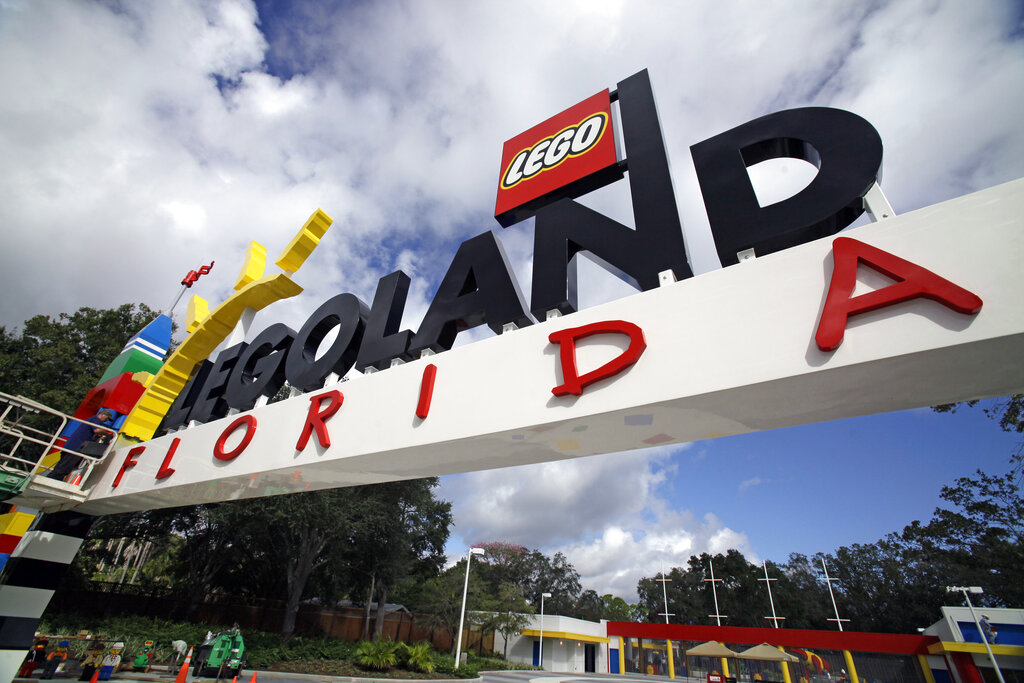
<point x="93" y="660"/>
<point x="36" y="656"/>
<point x="55" y="659"/>
<point x="143" y="657"/>
<point x="111" y="661"/>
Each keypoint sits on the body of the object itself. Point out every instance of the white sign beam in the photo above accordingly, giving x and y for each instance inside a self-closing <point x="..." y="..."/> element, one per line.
<point x="728" y="352"/>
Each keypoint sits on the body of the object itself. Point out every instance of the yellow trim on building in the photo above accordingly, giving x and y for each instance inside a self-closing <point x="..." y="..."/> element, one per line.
<point x="926" y="669"/>
<point x="671" y="664"/>
<point x="622" y="657"/>
<point x="565" y="635"/>
<point x="975" y="648"/>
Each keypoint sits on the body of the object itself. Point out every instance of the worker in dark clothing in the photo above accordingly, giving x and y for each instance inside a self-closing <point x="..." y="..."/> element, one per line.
<point x="85" y="431"/>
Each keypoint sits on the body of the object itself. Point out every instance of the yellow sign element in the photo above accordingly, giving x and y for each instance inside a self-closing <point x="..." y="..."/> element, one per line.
<point x="143" y="378"/>
<point x="303" y="244"/>
<point x="198" y="310"/>
<point x="172" y="377"/>
<point x="215" y="327"/>
<point x="255" y="263"/>
<point x="15" y="523"/>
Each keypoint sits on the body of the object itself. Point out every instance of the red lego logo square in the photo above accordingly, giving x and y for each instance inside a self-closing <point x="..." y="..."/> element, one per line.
<point x="568" y="155"/>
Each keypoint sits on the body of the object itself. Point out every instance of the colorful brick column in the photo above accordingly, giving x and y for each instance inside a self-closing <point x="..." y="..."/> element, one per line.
<point x="29" y="579"/>
<point x="13" y="525"/>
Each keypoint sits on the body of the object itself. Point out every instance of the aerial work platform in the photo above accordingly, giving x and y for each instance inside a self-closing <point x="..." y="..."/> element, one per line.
<point x="31" y="443"/>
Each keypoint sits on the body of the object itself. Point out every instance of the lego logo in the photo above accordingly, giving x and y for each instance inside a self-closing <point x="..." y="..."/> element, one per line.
<point x="550" y="152"/>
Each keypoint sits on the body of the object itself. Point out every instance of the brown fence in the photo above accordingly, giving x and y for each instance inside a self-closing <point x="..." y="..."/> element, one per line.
<point x="344" y="623"/>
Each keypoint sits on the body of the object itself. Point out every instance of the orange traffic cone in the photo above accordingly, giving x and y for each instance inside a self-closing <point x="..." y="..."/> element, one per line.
<point x="95" y="676"/>
<point x="253" y="679"/>
<point x="183" y="673"/>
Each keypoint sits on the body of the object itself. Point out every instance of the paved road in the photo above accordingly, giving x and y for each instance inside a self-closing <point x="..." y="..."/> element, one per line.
<point x="547" y="677"/>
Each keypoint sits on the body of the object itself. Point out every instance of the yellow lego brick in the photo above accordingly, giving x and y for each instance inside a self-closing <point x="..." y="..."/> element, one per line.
<point x="145" y="418"/>
<point x="15" y="523"/>
<point x="143" y="378"/>
<point x="303" y="244"/>
<point x="198" y="310"/>
<point x="255" y="264"/>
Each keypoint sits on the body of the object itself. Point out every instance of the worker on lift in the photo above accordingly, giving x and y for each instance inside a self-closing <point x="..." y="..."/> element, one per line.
<point x="85" y="432"/>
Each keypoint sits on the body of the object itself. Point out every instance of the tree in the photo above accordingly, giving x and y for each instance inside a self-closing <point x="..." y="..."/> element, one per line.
<point x="556" y="576"/>
<point x="1008" y="411"/>
<point x="980" y="541"/>
<point x="439" y="599"/>
<point x="799" y="593"/>
<point x="589" y="606"/>
<point x="616" y="609"/>
<point x="346" y="538"/>
<point x="197" y="540"/>
<point x="55" y="361"/>
<point x="399" y="531"/>
<point x="512" y="613"/>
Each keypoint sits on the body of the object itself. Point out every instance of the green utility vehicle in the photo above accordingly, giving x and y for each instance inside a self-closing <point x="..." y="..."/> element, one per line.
<point x="221" y="655"/>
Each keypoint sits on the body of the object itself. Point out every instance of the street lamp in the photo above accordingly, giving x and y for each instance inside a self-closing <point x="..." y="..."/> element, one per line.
<point x="540" y="649"/>
<point x="462" y="615"/>
<point x="977" y="590"/>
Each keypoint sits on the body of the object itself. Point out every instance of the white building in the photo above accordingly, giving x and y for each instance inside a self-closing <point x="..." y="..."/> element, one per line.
<point x="960" y="640"/>
<point x="570" y="645"/>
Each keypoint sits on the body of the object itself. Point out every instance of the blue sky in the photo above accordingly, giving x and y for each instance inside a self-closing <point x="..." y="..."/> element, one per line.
<point x="146" y="138"/>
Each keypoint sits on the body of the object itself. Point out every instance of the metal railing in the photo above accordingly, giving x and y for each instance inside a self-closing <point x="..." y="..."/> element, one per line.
<point x="28" y="435"/>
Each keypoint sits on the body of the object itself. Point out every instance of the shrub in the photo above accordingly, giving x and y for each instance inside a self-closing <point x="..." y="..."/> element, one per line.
<point x="377" y="654"/>
<point x="419" y="657"/>
<point x="467" y="671"/>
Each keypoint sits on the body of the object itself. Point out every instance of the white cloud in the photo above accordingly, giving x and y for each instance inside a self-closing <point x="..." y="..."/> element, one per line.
<point x="605" y="513"/>
<point x="747" y="484"/>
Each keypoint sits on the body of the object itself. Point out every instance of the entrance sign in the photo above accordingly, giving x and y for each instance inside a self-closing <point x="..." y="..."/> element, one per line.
<point x="730" y="352"/>
<point x="786" y="338"/>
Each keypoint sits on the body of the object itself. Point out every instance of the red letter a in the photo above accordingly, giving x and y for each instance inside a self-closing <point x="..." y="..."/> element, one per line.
<point x="316" y="417"/>
<point x="912" y="281"/>
<point x="573" y="383"/>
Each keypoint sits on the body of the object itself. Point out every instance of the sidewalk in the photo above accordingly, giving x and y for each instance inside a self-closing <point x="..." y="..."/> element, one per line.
<point x="160" y="675"/>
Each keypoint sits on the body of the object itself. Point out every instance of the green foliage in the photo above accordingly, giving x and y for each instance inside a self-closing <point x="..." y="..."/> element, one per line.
<point x="132" y="630"/>
<point x="380" y="654"/>
<point x="445" y="664"/>
<point x="57" y="360"/>
<point x="496" y="662"/>
<point x="266" y="649"/>
<point x="418" y="657"/>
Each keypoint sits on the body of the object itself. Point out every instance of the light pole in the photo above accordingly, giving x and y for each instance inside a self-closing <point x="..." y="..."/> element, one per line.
<point x="977" y="589"/>
<point x="462" y="615"/>
<point x="540" y="648"/>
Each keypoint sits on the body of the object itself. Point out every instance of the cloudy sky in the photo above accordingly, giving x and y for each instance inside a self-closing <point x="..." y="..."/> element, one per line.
<point x="139" y="140"/>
